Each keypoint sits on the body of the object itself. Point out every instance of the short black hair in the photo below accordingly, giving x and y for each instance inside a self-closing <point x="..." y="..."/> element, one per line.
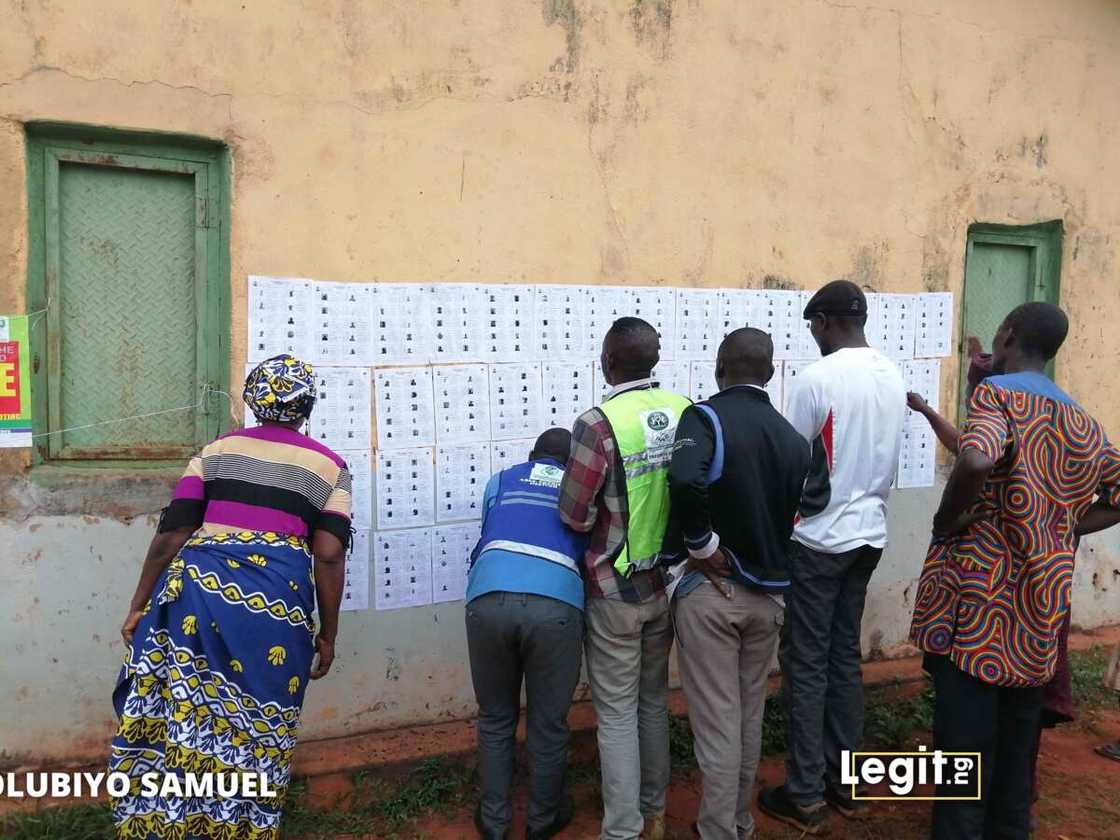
<point x="1040" y="328"/>
<point x="747" y="353"/>
<point x="555" y="443"/>
<point x="838" y="299"/>
<point x="635" y="344"/>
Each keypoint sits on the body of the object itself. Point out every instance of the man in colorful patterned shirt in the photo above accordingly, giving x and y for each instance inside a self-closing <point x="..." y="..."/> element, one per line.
<point x="995" y="589"/>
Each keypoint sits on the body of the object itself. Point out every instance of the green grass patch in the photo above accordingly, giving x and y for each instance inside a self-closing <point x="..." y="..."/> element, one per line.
<point x="383" y="806"/>
<point x="81" y="822"/>
<point x="1087" y="669"/>
<point x="681" y="753"/>
<point x="774" y="726"/>
<point x="891" y="722"/>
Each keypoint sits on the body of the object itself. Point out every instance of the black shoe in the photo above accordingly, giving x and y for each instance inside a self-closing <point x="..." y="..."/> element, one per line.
<point x="484" y="832"/>
<point x="843" y="803"/>
<point x="561" y="821"/>
<point x="811" y="819"/>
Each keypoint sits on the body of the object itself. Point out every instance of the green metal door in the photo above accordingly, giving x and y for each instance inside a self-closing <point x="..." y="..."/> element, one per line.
<point x="127" y="303"/>
<point x="129" y="260"/>
<point x="1004" y="267"/>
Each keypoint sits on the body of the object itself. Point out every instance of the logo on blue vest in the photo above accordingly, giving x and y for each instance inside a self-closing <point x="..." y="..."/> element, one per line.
<point x="546" y="475"/>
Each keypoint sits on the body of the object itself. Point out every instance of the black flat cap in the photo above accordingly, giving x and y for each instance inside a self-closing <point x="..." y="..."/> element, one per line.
<point x="840" y="297"/>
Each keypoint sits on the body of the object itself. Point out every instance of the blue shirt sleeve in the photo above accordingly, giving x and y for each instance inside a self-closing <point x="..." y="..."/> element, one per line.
<point x="490" y="495"/>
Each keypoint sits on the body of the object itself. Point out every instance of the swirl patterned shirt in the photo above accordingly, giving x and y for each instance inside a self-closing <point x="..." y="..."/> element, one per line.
<point x="993" y="598"/>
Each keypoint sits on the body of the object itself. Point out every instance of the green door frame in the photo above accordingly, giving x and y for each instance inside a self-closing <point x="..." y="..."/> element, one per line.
<point x="1044" y="242"/>
<point x="48" y="146"/>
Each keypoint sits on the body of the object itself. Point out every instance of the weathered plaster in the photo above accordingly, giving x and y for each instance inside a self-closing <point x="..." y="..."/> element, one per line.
<point x="777" y="143"/>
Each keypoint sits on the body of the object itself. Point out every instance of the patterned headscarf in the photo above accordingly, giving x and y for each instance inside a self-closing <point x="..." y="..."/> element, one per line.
<point x="281" y="389"/>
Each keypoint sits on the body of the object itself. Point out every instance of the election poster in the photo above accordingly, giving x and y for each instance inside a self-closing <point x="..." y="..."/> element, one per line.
<point x="15" y="382"/>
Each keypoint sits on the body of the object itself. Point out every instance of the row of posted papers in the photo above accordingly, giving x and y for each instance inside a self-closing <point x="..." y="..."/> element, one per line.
<point x="427" y="390"/>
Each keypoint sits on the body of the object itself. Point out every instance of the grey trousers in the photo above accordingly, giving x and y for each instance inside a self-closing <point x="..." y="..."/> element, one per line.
<point x="511" y="636"/>
<point x="725" y="647"/>
<point x="820" y="657"/>
<point x="628" y="666"/>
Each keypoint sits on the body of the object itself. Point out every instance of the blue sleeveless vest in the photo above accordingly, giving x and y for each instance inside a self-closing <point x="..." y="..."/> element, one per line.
<point x="525" y="517"/>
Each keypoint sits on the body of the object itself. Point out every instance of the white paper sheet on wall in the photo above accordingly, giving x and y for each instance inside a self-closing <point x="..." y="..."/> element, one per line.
<point x="702" y="381"/>
<point x="361" y="472"/>
<point x="672" y="376"/>
<point x="875" y="329"/>
<point x="562" y="323"/>
<point x="923" y="376"/>
<point x="934" y="329"/>
<point x="807" y="346"/>
<point x="451" y="553"/>
<point x="405" y="481"/>
<point x="515" y="400"/>
<point x="605" y="305"/>
<point x="341" y="417"/>
<point x="402" y="323"/>
<point x="897" y="323"/>
<point x="280" y="318"/>
<point x="405" y="407"/>
<point x="918" y="457"/>
<point x="355" y="589"/>
<point x="343" y="319"/>
<point x="508" y="327"/>
<point x="568" y="390"/>
<point x="402" y="562"/>
<point x="778" y="312"/>
<point x="657" y="305"/>
<point x="790" y="371"/>
<point x="509" y="453"/>
<point x="462" y="471"/>
<point x="738" y="308"/>
<point x="699" y="323"/>
<point x="462" y="403"/>
<point x="456" y="310"/>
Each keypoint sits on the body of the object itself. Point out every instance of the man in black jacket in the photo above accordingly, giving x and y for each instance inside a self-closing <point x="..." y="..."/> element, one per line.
<point x="736" y="479"/>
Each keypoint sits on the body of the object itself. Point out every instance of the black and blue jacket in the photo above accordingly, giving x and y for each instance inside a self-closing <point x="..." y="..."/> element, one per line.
<point x="738" y="470"/>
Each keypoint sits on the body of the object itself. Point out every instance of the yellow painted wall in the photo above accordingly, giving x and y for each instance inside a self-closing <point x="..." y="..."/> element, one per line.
<point x="686" y="142"/>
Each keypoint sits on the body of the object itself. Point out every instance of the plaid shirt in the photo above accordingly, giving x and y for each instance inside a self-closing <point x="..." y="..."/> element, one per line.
<point x="593" y="499"/>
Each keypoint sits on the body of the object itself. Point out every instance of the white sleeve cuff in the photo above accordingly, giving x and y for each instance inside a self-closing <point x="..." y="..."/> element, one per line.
<point x="706" y="550"/>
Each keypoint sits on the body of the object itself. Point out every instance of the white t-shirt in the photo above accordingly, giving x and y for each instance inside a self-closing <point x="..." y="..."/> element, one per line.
<point x="851" y="406"/>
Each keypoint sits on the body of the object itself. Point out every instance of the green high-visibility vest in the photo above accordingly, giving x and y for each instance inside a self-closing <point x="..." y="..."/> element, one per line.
<point x="644" y="423"/>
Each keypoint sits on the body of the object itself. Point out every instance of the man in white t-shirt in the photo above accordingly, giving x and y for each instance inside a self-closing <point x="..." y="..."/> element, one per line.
<point x="851" y="407"/>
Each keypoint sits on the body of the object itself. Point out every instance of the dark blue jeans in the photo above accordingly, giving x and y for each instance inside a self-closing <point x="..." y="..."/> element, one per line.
<point x="819" y="651"/>
<point x="1002" y="725"/>
<point x="511" y="637"/>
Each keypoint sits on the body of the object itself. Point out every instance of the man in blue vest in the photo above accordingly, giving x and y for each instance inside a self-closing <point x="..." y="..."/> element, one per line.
<point x="525" y="619"/>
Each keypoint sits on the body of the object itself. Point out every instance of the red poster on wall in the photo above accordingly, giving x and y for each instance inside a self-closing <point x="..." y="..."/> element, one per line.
<point x="15" y="383"/>
<point x="9" y="378"/>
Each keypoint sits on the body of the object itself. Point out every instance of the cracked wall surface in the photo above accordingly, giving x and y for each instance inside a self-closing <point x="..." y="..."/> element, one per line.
<point x="777" y="143"/>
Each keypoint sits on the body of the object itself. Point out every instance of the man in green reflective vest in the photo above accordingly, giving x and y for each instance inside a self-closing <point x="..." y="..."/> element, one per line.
<point x="615" y="488"/>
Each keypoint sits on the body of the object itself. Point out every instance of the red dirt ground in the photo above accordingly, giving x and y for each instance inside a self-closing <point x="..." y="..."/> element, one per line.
<point x="1080" y="798"/>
